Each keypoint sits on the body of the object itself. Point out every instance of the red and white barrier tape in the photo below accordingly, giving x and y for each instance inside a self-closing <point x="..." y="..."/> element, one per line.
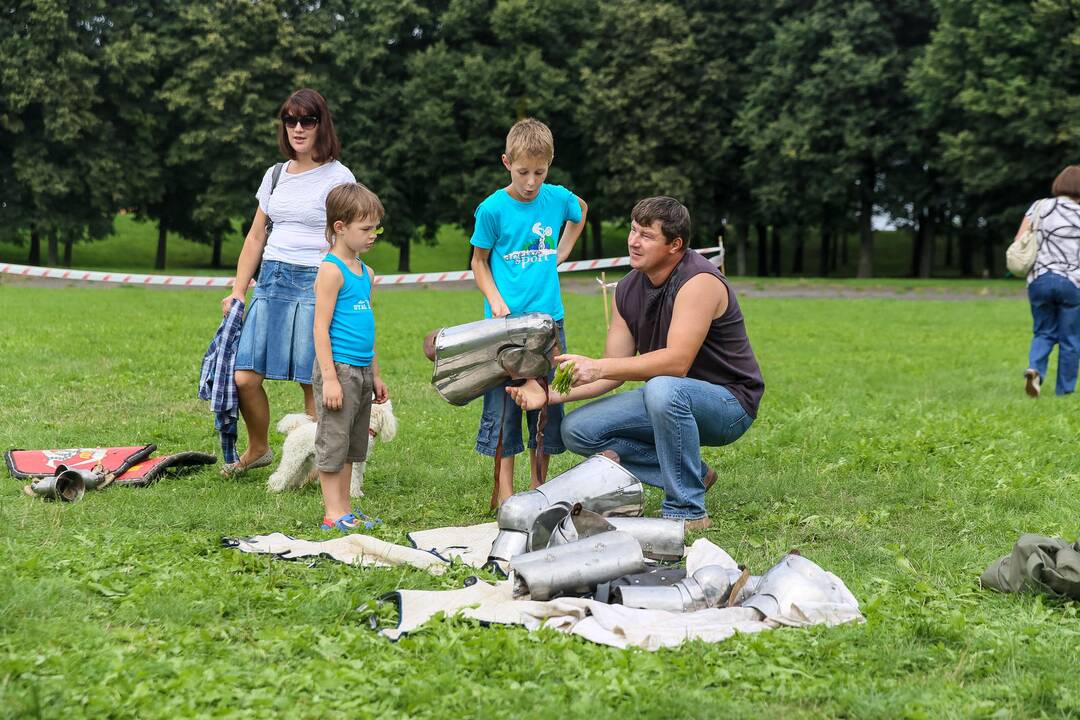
<point x="210" y="281"/>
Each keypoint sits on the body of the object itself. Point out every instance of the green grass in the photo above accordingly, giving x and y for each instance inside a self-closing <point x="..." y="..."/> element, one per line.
<point x="894" y="446"/>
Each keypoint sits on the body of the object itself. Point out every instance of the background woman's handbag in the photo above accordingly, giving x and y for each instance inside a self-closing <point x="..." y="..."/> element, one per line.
<point x="1020" y="255"/>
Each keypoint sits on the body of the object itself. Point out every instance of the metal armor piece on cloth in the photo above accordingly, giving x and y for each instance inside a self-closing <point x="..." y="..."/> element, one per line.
<point x="709" y="587"/>
<point x="473" y="358"/>
<point x="794" y="580"/>
<point x="576" y="568"/>
<point x="599" y="484"/>
<point x="92" y="479"/>
<point x="661" y="576"/>
<point x="660" y="538"/>
<point x="66" y="485"/>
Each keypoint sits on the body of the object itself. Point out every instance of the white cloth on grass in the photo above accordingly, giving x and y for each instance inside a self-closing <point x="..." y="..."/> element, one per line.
<point x="432" y="549"/>
<point x="470" y="544"/>
<point x="353" y="549"/>
<point x="614" y="625"/>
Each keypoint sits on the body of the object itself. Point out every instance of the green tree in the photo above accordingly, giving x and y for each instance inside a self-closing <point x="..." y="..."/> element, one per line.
<point x="827" y="117"/>
<point x="66" y="150"/>
<point x="1001" y="83"/>
<point x="487" y="65"/>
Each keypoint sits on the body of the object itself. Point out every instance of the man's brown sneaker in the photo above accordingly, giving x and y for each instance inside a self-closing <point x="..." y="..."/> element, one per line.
<point x="710" y="477"/>
<point x="701" y="523"/>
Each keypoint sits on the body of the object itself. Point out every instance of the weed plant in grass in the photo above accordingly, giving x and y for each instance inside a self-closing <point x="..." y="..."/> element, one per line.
<point x="894" y="446"/>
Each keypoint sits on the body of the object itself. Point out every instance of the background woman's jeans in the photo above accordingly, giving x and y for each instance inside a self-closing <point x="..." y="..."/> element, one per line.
<point x="658" y="432"/>
<point x="1055" y="311"/>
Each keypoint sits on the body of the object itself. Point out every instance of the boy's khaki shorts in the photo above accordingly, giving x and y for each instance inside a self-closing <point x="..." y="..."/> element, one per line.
<point x="342" y="435"/>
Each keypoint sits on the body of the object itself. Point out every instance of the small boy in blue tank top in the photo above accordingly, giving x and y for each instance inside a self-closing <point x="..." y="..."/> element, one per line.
<point x="518" y="243"/>
<point x="346" y="372"/>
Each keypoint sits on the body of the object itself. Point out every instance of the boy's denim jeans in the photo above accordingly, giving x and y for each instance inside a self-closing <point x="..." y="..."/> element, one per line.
<point x="1055" y="312"/>
<point x="658" y="431"/>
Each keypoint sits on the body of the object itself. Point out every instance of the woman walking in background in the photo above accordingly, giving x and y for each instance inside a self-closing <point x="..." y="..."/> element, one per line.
<point x="287" y="243"/>
<point x="1054" y="284"/>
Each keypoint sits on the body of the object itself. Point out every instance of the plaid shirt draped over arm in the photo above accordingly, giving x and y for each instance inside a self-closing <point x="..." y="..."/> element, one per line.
<point x="216" y="382"/>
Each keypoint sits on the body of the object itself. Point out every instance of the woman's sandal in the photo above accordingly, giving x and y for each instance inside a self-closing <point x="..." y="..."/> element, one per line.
<point x="238" y="468"/>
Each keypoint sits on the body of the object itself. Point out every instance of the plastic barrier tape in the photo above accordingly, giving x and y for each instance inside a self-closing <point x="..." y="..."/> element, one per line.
<point x="209" y="281"/>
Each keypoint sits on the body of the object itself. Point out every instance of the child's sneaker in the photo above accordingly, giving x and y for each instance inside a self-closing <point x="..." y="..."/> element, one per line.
<point x="369" y="522"/>
<point x="349" y="523"/>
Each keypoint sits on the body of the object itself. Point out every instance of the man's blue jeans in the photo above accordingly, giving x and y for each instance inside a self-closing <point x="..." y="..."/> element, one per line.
<point x="658" y="432"/>
<point x="1055" y="312"/>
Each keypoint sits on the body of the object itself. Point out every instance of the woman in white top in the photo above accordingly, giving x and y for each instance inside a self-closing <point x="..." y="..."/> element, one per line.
<point x="1054" y="284"/>
<point x="286" y="243"/>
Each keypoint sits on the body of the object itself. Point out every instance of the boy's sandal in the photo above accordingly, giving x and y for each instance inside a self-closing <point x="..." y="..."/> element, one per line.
<point x="238" y="468"/>
<point x="348" y="523"/>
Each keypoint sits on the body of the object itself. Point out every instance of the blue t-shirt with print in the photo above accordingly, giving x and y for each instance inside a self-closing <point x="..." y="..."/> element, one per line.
<point x="523" y="238"/>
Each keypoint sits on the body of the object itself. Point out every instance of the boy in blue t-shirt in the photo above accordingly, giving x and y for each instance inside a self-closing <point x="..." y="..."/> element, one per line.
<point x="518" y="244"/>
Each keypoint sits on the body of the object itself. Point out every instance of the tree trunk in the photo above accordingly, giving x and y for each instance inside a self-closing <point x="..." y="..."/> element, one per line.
<point x="34" y="257"/>
<point x="54" y="255"/>
<point x="69" y="240"/>
<point x="762" y="250"/>
<point x="800" y="250"/>
<point x="742" y="247"/>
<point x="827" y="245"/>
<point x="918" y="239"/>
<point x="215" y="260"/>
<point x="966" y="250"/>
<point x="843" y="252"/>
<point x="866" y="228"/>
<point x="403" y="256"/>
<point x="596" y="224"/>
<point x="775" y="261"/>
<point x="989" y="255"/>
<point x="162" y="237"/>
<point x="926" y="257"/>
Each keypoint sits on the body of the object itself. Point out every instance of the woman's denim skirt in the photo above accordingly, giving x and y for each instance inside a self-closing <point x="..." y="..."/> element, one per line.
<point x="277" y="340"/>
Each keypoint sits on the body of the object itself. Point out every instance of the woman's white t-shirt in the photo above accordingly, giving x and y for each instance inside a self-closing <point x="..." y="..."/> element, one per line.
<point x="298" y="210"/>
<point x="1059" y="239"/>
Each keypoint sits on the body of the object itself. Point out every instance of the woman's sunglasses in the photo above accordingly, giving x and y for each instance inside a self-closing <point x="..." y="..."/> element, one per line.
<point x="307" y="121"/>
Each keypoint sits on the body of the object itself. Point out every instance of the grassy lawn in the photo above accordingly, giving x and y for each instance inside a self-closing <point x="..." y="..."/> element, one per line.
<point x="895" y="447"/>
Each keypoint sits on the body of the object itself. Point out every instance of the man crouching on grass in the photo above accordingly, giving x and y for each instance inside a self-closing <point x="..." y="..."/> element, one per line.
<point x="677" y="326"/>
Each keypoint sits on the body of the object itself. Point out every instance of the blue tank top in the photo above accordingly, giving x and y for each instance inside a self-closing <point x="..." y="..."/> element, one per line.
<point x="352" y="329"/>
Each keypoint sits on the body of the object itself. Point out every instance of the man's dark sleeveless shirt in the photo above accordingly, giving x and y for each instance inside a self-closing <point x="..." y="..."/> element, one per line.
<point x="725" y="358"/>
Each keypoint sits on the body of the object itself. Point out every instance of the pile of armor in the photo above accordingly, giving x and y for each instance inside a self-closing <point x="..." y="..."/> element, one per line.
<point x="583" y="530"/>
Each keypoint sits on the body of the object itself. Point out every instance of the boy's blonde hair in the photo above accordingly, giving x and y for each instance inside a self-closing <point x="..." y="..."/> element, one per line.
<point x="349" y="202"/>
<point x="530" y="138"/>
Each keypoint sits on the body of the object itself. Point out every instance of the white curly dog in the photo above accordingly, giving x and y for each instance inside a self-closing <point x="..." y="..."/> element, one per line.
<point x="297" y="466"/>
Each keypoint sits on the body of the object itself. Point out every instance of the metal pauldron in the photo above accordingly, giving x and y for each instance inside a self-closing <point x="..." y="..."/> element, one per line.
<point x="577" y="567"/>
<point x="710" y="586"/>
<point x="473" y="358"/>
<point x="796" y="580"/>
<point x="598" y="484"/>
<point x="67" y="485"/>
<point x="660" y="538"/>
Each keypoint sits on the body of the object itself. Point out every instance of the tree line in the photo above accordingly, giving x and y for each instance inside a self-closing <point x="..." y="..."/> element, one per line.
<point x="785" y="119"/>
